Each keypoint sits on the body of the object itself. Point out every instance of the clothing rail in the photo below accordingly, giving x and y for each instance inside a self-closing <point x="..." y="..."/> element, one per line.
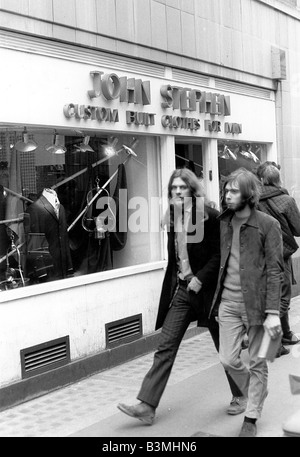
<point x="188" y="160"/>
<point x="21" y="197"/>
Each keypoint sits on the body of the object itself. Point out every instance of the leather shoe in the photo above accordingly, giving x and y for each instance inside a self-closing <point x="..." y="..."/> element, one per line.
<point x="237" y="405"/>
<point x="248" y="430"/>
<point x="142" y="411"/>
<point x="290" y="338"/>
<point x="282" y="351"/>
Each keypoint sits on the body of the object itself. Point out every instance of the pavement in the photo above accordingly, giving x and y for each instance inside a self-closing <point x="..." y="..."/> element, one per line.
<point x="193" y="405"/>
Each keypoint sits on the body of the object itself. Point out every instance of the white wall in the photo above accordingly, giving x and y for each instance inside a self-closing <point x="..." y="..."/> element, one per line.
<point x="38" y="314"/>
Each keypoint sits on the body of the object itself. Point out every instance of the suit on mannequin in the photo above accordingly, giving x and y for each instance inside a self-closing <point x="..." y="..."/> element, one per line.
<point x="46" y="218"/>
<point x="4" y="240"/>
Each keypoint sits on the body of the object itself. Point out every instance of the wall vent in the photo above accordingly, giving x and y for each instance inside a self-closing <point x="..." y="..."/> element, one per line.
<point x="244" y="89"/>
<point x="45" y="357"/>
<point x="189" y="77"/>
<point x="123" y="330"/>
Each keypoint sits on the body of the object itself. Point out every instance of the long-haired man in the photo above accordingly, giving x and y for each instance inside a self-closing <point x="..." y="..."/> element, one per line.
<point x="187" y="290"/>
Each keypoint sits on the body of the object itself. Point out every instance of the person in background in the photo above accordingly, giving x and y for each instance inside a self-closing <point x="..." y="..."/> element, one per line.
<point x="248" y="290"/>
<point x="187" y="290"/>
<point x="274" y="200"/>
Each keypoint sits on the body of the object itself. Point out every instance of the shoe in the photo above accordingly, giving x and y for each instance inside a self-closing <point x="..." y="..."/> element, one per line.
<point x="290" y="338"/>
<point x="237" y="405"/>
<point x="292" y="425"/>
<point x="282" y="351"/>
<point x="142" y="411"/>
<point x="248" y="430"/>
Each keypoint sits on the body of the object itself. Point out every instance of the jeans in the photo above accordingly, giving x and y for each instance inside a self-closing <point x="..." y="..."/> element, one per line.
<point x="251" y="381"/>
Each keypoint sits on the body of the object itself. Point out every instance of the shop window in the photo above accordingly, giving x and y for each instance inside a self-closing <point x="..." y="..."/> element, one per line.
<point x="73" y="205"/>
<point x="189" y="156"/>
<point x="233" y="155"/>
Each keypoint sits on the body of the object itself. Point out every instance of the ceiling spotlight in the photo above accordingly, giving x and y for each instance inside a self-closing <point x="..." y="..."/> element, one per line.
<point x="84" y="146"/>
<point x="56" y="147"/>
<point x="26" y="145"/>
<point x="109" y="149"/>
<point x="132" y="146"/>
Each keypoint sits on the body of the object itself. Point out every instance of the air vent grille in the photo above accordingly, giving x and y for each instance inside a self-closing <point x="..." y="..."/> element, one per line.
<point x="40" y="46"/>
<point x="123" y="331"/>
<point x="190" y="77"/>
<point x="45" y="357"/>
<point x="243" y="89"/>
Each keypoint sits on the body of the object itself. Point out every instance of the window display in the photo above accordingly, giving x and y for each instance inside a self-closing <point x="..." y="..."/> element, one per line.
<point x="233" y="155"/>
<point x="73" y="205"/>
<point x="189" y="155"/>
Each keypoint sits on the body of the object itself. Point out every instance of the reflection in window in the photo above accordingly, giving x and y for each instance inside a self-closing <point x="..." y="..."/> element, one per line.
<point x="189" y="156"/>
<point x="76" y="205"/>
<point x="233" y="155"/>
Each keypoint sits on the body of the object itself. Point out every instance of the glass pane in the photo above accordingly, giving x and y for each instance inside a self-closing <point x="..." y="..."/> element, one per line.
<point x="189" y="156"/>
<point x="74" y="205"/>
<point x="233" y="155"/>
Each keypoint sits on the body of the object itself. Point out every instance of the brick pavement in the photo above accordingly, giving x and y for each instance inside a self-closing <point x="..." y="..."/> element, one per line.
<point x="80" y="407"/>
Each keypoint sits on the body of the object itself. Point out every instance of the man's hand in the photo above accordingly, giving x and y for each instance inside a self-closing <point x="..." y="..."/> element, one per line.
<point x="194" y="285"/>
<point x="273" y="326"/>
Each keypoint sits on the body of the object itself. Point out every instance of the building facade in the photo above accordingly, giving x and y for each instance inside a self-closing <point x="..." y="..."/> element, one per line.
<point x="100" y="101"/>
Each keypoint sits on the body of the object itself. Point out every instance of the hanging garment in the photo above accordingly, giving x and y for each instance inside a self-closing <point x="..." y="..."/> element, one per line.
<point x="118" y="238"/>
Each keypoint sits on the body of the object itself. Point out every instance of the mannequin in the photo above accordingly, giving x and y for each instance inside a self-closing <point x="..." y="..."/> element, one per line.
<point x="47" y="217"/>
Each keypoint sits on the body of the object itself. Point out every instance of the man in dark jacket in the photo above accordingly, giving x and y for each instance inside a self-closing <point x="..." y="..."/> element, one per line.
<point x="188" y="288"/>
<point x="274" y="200"/>
<point x="248" y="290"/>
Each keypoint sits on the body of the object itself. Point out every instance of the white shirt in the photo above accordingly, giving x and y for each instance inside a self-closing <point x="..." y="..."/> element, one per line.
<point x="52" y="198"/>
<point x="183" y="264"/>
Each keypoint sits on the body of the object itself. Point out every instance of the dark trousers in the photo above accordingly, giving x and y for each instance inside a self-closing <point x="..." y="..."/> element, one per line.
<point x="286" y="294"/>
<point x="175" y="325"/>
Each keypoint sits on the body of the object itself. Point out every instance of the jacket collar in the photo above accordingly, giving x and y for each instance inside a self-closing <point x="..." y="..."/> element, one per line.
<point x="227" y="215"/>
<point x="271" y="191"/>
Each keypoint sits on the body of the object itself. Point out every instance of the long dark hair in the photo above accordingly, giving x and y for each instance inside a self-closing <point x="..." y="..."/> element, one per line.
<point x="190" y="180"/>
<point x="248" y="183"/>
<point x="196" y="189"/>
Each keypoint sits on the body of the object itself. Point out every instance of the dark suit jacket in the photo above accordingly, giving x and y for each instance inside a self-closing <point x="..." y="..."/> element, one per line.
<point x="204" y="258"/>
<point x="44" y="220"/>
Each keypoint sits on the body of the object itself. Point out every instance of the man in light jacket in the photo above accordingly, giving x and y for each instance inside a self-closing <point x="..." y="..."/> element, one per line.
<point x="249" y="289"/>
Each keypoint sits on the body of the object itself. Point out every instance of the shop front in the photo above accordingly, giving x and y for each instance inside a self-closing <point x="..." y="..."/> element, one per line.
<point x="86" y="152"/>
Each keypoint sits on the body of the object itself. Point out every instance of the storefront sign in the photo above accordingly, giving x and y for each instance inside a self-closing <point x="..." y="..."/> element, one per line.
<point x="91" y="112"/>
<point x="176" y="103"/>
<point x="195" y="100"/>
<point x="128" y="90"/>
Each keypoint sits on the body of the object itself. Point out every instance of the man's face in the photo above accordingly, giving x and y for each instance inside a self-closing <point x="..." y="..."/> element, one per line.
<point x="179" y="191"/>
<point x="233" y="197"/>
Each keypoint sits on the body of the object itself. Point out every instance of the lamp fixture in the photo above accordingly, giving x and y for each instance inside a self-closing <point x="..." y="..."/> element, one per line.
<point x="130" y="148"/>
<point x="56" y="147"/>
<point x="84" y="146"/>
<point x="26" y="145"/>
<point x="109" y="149"/>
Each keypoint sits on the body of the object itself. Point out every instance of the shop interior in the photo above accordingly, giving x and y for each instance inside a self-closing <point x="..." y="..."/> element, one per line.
<point x="61" y="193"/>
